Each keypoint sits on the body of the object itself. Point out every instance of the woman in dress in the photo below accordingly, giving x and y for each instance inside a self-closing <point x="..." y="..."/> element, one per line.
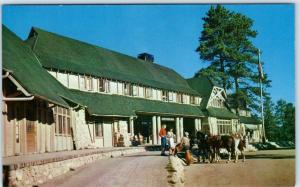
<point x="171" y="142"/>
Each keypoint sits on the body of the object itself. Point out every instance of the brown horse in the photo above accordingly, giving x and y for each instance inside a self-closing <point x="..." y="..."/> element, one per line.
<point x="231" y="143"/>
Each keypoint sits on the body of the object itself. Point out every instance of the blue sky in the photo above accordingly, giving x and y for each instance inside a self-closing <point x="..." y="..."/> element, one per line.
<point x="169" y="32"/>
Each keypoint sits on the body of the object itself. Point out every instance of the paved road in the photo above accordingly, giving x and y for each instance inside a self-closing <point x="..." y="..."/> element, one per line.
<point x="143" y="169"/>
<point x="262" y="168"/>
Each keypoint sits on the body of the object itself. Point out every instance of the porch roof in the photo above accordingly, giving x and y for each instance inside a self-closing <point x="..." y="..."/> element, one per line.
<point x="117" y="105"/>
<point x="249" y="120"/>
<point x="222" y="113"/>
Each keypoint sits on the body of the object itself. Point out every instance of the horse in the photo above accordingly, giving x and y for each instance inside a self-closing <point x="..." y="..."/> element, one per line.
<point x="240" y="145"/>
<point x="203" y="148"/>
<point x="232" y="144"/>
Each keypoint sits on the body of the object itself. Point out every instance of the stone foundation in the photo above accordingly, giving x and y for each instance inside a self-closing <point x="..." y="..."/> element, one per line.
<point x="35" y="173"/>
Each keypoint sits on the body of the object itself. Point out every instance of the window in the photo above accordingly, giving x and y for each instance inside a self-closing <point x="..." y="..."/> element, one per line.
<point x="99" y="130"/>
<point x="217" y="103"/>
<point x="170" y="96"/>
<point x="148" y="93"/>
<point x="164" y="95"/>
<point x="88" y="84"/>
<point x="62" y="120"/>
<point x="224" y="126"/>
<point x="192" y="101"/>
<point x="179" y="97"/>
<point x="107" y="86"/>
<point x="135" y="90"/>
<point x="81" y="82"/>
<point x="101" y="85"/>
<point x="127" y="89"/>
<point x="184" y="99"/>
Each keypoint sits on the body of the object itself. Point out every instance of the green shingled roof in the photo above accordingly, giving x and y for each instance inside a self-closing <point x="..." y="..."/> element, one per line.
<point x="222" y="113"/>
<point x="203" y="85"/>
<point x="249" y="120"/>
<point x="24" y="67"/>
<point x="59" y="52"/>
<point x="116" y="105"/>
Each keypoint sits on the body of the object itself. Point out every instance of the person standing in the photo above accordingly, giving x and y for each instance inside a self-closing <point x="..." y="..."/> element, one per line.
<point x="163" y="137"/>
<point x="171" y="142"/>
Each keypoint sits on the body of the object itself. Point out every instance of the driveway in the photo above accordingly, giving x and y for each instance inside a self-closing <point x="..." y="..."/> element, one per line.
<point x="143" y="169"/>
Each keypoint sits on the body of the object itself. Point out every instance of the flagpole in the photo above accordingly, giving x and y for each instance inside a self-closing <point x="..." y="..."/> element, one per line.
<point x="261" y="100"/>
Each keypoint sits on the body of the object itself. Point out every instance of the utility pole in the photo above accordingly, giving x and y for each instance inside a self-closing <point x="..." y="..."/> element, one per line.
<point x="261" y="75"/>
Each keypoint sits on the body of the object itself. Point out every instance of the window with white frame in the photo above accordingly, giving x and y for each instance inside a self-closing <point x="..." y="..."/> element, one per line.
<point x="179" y="98"/>
<point x="217" y="103"/>
<point x="170" y="95"/>
<point x="98" y="129"/>
<point x="62" y="120"/>
<point x="101" y="85"/>
<point x="148" y="92"/>
<point x="88" y="83"/>
<point x="224" y="126"/>
<point x="164" y="95"/>
<point x="192" y="100"/>
<point x="127" y="89"/>
<point x="81" y="82"/>
<point x="107" y="86"/>
<point x="135" y="90"/>
<point x="184" y="99"/>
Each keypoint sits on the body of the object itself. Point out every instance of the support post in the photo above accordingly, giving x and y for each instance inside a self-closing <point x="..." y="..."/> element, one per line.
<point x="199" y="123"/>
<point x="131" y="126"/>
<point x="181" y="127"/>
<point x="177" y="130"/>
<point x="158" y="129"/>
<point x="154" y="131"/>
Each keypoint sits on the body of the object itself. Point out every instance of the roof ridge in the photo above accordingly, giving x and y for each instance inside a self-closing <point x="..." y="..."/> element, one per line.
<point x="92" y="45"/>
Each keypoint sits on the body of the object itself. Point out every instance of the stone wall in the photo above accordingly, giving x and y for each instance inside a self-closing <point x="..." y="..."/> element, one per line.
<point x="35" y="173"/>
<point x="83" y="133"/>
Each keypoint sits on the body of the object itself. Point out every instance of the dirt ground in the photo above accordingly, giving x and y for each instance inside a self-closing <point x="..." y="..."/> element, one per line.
<point x="262" y="168"/>
<point x="142" y="169"/>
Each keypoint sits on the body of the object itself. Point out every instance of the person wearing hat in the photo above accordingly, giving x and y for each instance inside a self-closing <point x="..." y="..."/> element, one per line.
<point x="185" y="141"/>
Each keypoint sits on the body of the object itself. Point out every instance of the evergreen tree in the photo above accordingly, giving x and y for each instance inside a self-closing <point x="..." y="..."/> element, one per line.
<point x="214" y="44"/>
<point x="225" y="43"/>
<point x="271" y="129"/>
<point x="285" y="120"/>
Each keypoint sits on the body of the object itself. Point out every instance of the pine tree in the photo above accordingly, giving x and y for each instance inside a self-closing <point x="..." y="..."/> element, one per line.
<point x="213" y="44"/>
<point x="225" y="43"/>
<point x="270" y="124"/>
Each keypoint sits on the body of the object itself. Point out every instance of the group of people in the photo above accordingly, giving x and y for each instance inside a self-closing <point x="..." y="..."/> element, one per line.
<point x="168" y="141"/>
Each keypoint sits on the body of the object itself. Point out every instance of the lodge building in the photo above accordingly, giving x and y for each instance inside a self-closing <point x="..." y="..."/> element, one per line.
<point x="63" y="94"/>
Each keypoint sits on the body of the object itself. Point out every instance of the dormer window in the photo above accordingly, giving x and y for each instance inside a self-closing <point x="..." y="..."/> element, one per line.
<point x="179" y="97"/>
<point x="135" y="90"/>
<point x="170" y="96"/>
<point x="88" y="84"/>
<point x="101" y="85"/>
<point x="127" y="89"/>
<point x="148" y="93"/>
<point x="164" y="95"/>
<point x="192" y="101"/>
